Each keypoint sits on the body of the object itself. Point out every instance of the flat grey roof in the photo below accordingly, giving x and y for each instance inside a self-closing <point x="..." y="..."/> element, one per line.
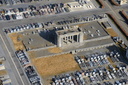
<point x="45" y="52"/>
<point x="63" y="32"/>
<point x="106" y="24"/>
<point x="93" y="28"/>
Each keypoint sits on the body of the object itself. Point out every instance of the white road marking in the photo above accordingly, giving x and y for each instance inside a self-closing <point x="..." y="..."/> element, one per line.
<point x="12" y="59"/>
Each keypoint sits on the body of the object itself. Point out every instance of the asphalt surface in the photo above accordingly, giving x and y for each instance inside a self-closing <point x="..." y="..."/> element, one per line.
<point x="7" y="47"/>
<point x="7" y="64"/>
<point x="16" y="73"/>
<point x="44" y="2"/>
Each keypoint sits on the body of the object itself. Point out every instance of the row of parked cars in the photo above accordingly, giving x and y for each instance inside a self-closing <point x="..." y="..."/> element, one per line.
<point x="29" y="70"/>
<point x="96" y="76"/>
<point x="13" y="2"/>
<point x="82" y="19"/>
<point x="32" y="75"/>
<point x="21" y="28"/>
<point x="96" y="69"/>
<point x="31" y="11"/>
<point x="92" y="61"/>
<point x="97" y="59"/>
<point x="22" y="58"/>
<point x="120" y="42"/>
<point x="119" y="82"/>
<point x="37" y="25"/>
<point x="27" y="27"/>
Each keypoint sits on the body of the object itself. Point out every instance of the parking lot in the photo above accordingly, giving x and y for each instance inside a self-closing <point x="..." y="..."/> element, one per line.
<point x="29" y="70"/>
<point x="44" y="33"/>
<point x="31" y="11"/>
<point x="98" y="76"/>
<point x="101" y="67"/>
<point x="40" y="10"/>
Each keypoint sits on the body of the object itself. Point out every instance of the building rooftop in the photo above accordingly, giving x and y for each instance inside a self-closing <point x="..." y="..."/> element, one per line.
<point x="106" y="24"/>
<point x="46" y="38"/>
<point x="69" y="31"/>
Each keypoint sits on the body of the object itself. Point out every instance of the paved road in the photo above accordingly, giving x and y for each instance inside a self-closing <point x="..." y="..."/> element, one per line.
<point x="116" y="13"/>
<point x="14" y="64"/>
<point x="56" y="17"/>
<point x="46" y="18"/>
<point x="7" y="64"/>
<point x="119" y="18"/>
<point x="44" y="2"/>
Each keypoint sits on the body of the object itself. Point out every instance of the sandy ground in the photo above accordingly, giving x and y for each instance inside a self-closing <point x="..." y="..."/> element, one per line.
<point x="47" y="67"/>
<point x="85" y="37"/>
<point x="17" y="41"/>
<point x="111" y="32"/>
<point x="54" y="65"/>
<point x="109" y="59"/>
<point x="3" y="72"/>
<point x="83" y="25"/>
<point x="54" y="50"/>
<point x="31" y="54"/>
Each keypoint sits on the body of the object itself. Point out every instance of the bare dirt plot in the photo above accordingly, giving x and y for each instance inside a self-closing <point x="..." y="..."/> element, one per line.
<point x="3" y="72"/>
<point x="85" y="37"/>
<point x="110" y="60"/>
<point x="83" y="25"/>
<point x="54" y="50"/>
<point x="111" y="32"/>
<point x="54" y="65"/>
<point x="17" y="41"/>
<point x="31" y="54"/>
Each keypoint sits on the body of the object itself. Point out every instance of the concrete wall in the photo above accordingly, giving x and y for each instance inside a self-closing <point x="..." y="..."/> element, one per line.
<point x="82" y="49"/>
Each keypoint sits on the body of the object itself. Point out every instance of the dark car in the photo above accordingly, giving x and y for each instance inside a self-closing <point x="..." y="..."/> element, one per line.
<point x="20" y="9"/>
<point x="14" y="16"/>
<point x="7" y="17"/>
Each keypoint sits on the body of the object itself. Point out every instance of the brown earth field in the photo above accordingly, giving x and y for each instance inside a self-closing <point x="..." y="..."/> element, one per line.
<point x="55" y="50"/>
<point x="17" y="41"/>
<point x="54" y="65"/>
<point x="111" y="32"/>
